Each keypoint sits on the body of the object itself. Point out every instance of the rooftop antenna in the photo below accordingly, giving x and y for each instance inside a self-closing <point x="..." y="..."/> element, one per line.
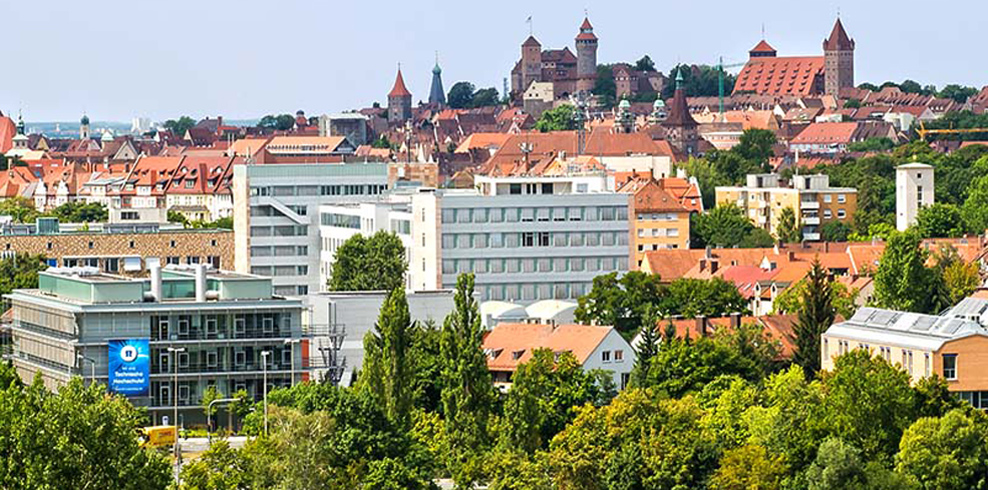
<point x="763" y="31"/>
<point x="531" y="31"/>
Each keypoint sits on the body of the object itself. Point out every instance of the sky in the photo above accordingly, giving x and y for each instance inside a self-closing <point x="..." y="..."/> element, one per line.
<point x="117" y="59"/>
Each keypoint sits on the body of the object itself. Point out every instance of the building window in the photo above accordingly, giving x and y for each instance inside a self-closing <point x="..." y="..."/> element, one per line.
<point x="841" y="198"/>
<point x="950" y="366"/>
<point x="919" y="194"/>
<point x="841" y="214"/>
<point x="528" y="239"/>
<point x="618" y="355"/>
<point x="132" y="245"/>
<point x="173" y="260"/>
<point x="239" y="326"/>
<point x="240" y="358"/>
<point x="268" y="325"/>
<point x="211" y="326"/>
<point x="212" y="243"/>
<point x="605" y="356"/>
<point x="172" y="244"/>
<point x="183" y="326"/>
<point x="212" y="359"/>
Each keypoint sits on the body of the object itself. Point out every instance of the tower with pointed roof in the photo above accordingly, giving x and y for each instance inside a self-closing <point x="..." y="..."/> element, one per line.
<point x="84" y="127"/>
<point x="681" y="128"/>
<point x="437" y="97"/>
<point x="838" y="54"/>
<point x="399" y="101"/>
<point x="586" y="57"/>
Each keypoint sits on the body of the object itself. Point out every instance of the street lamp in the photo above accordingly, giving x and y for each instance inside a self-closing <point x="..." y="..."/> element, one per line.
<point x="92" y="368"/>
<point x="209" y="415"/>
<point x="174" y="352"/>
<point x="264" y="366"/>
<point x="291" y="346"/>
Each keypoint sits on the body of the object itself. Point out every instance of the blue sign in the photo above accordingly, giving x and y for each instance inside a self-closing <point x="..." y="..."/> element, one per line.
<point x="130" y="366"/>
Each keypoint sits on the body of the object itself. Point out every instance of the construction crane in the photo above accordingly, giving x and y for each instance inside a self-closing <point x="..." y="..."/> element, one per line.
<point x="720" y="80"/>
<point x="922" y="131"/>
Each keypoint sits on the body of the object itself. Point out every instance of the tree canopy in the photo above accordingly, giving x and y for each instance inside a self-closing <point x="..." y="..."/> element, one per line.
<point x="179" y="126"/>
<point x="375" y="263"/>
<point x="727" y="226"/>
<point x="561" y="118"/>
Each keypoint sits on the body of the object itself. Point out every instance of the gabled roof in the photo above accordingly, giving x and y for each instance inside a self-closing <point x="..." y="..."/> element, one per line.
<point x="826" y="133"/>
<point x="201" y="175"/>
<point x="399" y="90"/>
<point x="511" y="344"/>
<point x="763" y="47"/>
<point x="531" y="41"/>
<point x="788" y="75"/>
<point x="838" y="40"/>
<point x="650" y="197"/>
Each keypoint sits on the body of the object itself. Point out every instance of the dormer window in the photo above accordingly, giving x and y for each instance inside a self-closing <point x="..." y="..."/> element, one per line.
<point x="515" y="355"/>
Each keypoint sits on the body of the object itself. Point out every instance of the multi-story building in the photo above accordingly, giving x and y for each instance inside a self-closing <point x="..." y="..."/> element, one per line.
<point x="953" y="346"/>
<point x="340" y="222"/>
<point x="192" y="327"/>
<point x="276" y="216"/>
<point x="811" y="198"/>
<point x="913" y="190"/>
<point x="522" y="247"/>
<point x="660" y="220"/>
<point x="118" y="249"/>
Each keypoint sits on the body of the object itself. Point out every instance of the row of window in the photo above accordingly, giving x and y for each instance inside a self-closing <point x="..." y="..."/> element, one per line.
<point x="280" y="270"/>
<point x="451" y="241"/>
<point x="318" y="190"/>
<point x="243" y="325"/>
<point x="658" y="232"/>
<point x="904" y="359"/>
<point x="607" y="356"/>
<point x="560" y="264"/>
<point x="512" y="215"/>
<point x="291" y="290"/>
<point x="533" y="292"/>
<point x="114" y="265"/>
<point x="278" y="231"/>
<point x="279" y="251"/>
<point x="340" y="220"/>
<point x="657" y="216"/>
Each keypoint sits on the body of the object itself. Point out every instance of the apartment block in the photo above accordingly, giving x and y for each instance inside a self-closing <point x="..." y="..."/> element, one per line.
<point x="953" y="346"/>
<point x="276" y="216"/>
<point x="201" y="326"/>
<point x="660" y="220"/>
<point x="811" y="198"/>
<point x="521" y="247"/>
<point x="118" y="249"/>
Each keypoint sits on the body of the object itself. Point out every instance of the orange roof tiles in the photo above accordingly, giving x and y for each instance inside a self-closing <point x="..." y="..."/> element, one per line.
<point x="826" y="132"/>
<point x="7" y="132"/>
<point x="486" y="141"/>
<point x="511" y="344"/>
<point x="792" y="75"/>
<point x="399" y="89"/>
<point x="650" y="197"/>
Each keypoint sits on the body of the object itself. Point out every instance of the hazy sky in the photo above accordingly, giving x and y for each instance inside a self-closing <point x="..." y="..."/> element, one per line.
<point x="117" y="59"/>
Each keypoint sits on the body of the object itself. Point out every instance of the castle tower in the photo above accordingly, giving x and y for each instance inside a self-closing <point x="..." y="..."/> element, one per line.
<point x="20" y="141"/>
<point x="586" y="57"/>
<point x="531" y="63"/>
<point x="681" y="128"/>
<point x="399" y="101"/>
<point x="838" y="54"/>
<point x="84" y="127"/>
<point x="436" y="95"/>
<point x="624" y="119"/>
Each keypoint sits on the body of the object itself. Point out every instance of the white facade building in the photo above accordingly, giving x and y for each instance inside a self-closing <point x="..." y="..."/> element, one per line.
<point x="913" y="190"/>
<point x="340" y="222"/>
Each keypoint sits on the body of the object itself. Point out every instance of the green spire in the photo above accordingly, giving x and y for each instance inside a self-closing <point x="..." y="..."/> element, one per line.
<point x="679" y="78"/>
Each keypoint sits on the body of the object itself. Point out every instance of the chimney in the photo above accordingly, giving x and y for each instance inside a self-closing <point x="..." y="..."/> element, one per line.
<point x="713" y="265"/>
<point x="826" y="247"/>
<point x="219" y="123"/>
<point x="701" y="325"/>
<point x="703" y="264"/>
<point x="791" y="255"/>
<point x="735" y="321"/>
<point x="156" y="281"/>
<point x="708" y="252"/>
<point x="200" y="271"/>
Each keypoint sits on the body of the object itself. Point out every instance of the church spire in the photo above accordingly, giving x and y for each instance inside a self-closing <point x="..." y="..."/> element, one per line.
<point x="436" y="95"/>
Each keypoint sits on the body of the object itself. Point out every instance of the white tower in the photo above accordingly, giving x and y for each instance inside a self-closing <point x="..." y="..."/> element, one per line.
<point x="913" y="190"/>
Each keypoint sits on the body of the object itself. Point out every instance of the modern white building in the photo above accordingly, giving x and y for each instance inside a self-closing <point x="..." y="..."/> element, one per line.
<point x="521" y="247"/>
<point x="340" y="222"/>
<point x="276" y="216"/>
<point x="913" y="190"/>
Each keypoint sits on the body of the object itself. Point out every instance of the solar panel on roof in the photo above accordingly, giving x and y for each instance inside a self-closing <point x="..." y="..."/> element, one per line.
<point x="924" y="323"/>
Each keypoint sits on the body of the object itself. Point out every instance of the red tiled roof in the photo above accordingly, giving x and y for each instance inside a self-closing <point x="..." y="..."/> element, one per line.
<point x="838" y="40"/>
<point x="7" y="131"/>
<point x="780" y="75"/>
<point x="826" y="132"/>
<point x="762" y="47"/>
<point x="586" y="24"/>
<point x="511" y="344"/>
<point x="399" y="89"/>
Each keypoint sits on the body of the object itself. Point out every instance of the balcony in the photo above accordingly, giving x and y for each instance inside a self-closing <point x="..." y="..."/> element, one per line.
<point x="809" y="204"/>
<point x="811" y="237"/>
<point x="810" y="220"/>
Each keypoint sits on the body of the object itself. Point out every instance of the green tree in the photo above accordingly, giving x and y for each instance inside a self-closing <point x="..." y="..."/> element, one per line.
<point x="620" y="302"/>
<point x="382" y="142"/>
<point x="835" y="231"/>
<point x="646" y="349"/>
<point x="210" y="395"/>
<point x="788" y="229"/>
<point x="874" y="427"/>
<point x="177" y="217"/>
<point x="20" y="208"/>
<point x="902" y="281"/>
<point x="714" y="297"/>
<point x="79" y="212"/>
<point x="975" y="208"/>
<point x="180" y="126"/>
<point x="387" y="372"/>
<point x="749" y="467"/>
<point x="543" y="392"/>
<point x="645" y="63"/>
<point x="961" y="280"/>
<point x="560" y="118"/>
<point x="282" y="122"/>
<point x="604" y="87"/>
<point x="871" y="144"/>
<point x="790" y="300"/>
<point x="959" y="93"/>
<point x="75" y="438"/>
<point x="685" y="366"/>
<point x="460" y="95"/>
<point x="852" y="104"/>
<point x="699" y="81"/>
<point x="708" y="176"/>
<point x="219" y="468"/>
<point x="375" y="263"/>
<point x="20" y="272"/>
<point x="839" y="465"/>
<point x="485" y="97"/>
<point x="726" y="226"/>
<point x="950" y="452"/>
<point x="755" y="145"/>
<point x="815" y="317"/>
<point x="940" y="220"/>
<point x="467" y="393"/>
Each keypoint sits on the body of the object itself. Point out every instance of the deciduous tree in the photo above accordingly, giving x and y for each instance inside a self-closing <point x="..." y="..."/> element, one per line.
<point x="375" y="263"/>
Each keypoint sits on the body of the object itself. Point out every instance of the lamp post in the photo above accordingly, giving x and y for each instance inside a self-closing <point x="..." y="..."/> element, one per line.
<point x="209" y="415"/>
<point x="174" y="354"/>
<point x="92" y="367"/>
<point x="264" y="366"/>
<point x="291" y="345"/>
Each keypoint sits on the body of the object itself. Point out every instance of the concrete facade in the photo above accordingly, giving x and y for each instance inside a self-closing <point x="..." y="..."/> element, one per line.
<point x="914" y="189"/>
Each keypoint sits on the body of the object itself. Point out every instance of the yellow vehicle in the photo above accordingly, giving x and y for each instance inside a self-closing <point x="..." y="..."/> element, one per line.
<point x="158" y="436"/>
